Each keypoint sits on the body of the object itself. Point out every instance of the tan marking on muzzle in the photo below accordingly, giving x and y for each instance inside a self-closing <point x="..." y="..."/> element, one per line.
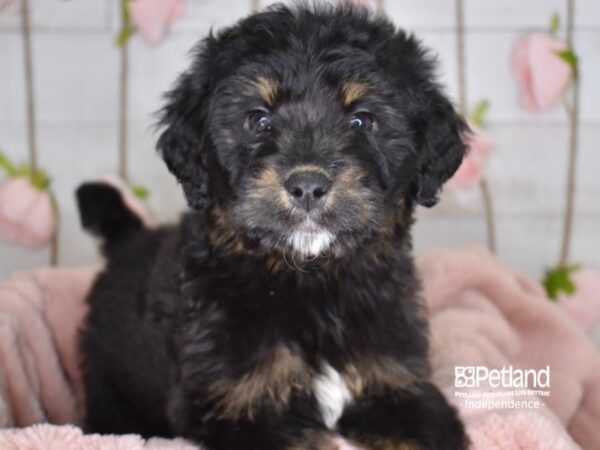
<point x="270" y="187"/>
<point x="268" y="177"/>
<point x="307" y="168"/>
<point x="348" y="186"/>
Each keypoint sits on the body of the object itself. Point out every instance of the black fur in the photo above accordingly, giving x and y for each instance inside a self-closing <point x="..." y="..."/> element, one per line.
<point x="216" y="329"/>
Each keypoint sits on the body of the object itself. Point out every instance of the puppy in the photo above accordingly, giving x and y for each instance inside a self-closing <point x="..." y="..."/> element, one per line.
<point x="283" y="311"/>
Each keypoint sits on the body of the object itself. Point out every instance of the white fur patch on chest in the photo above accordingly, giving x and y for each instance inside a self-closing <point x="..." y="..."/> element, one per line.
<point x="332" y="393"/>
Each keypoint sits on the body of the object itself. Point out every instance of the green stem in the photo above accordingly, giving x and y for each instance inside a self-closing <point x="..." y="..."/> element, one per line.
<point x="29" y="87"/>
<point x="7" y="165"/>
<point x="124" y="94"/>
<point x="463" y="106"/>
<point x="573" y="114"/>
<point x="54" y="247"/>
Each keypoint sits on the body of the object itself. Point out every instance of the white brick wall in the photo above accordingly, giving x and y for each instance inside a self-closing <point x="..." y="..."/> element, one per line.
<point x="76" y="69"/>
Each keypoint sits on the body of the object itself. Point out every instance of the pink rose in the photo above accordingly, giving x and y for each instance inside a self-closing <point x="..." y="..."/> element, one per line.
<point x="470" y="171"/>
<point x="584" y="304"/>
<point x="26" y="213"/>
<point x="152" y="18"/>
<point x="541" y="74"/>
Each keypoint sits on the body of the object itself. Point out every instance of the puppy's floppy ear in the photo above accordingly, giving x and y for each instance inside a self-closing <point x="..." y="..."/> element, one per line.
<point x="440" y="139"/>
<point x="439" y="131"/>
<point x="184" y="143"/>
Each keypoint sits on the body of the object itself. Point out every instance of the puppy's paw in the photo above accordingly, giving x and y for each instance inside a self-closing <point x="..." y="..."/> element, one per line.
<point x="315" y="440"/>
<point x="340" y="443"/>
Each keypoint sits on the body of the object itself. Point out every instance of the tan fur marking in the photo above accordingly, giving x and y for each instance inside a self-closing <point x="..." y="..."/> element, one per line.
<point x="269" y="184"/>
<point x="307" y="168"/>
<point x="275" y="263"/>
<point x="348" y="186"/>
<point x="315" y="440"/>
<point x="268" y="177"/>
<point x="376" y="374"/>
<point x="387" y="444"/>
<point x="351" y="181"/>
<point x="222" y="235"/>
<point x="350" y="176"/>
<point x="267" y="89"/>
<point x="273" y="379"/>
<point x="352" y="91"/>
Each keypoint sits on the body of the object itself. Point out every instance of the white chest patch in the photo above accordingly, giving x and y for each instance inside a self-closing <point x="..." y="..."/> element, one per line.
<point x="332" y="394"/>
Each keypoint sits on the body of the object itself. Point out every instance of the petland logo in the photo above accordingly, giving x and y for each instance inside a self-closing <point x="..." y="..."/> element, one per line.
<point x="507" y="377"/>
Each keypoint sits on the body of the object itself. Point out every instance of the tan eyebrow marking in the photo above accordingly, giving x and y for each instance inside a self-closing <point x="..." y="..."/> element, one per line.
<point x="267" y="88"/>
<point x="352" y="91"/>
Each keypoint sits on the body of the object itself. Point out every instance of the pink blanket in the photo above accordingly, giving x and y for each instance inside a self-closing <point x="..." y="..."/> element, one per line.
<point x="482" y="314"/>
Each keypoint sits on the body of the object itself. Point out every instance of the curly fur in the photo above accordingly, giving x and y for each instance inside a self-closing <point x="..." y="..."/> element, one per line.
<point x="222" y="328"/>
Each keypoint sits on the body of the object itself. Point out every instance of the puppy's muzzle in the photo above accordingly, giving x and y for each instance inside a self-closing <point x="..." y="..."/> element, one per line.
<point x="307" y="189"/>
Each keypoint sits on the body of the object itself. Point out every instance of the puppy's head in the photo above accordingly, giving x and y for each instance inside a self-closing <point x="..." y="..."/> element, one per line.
<point x="311" y="129"/>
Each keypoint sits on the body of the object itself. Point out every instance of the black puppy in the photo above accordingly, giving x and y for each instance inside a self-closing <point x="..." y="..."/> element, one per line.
<point x="283" y="312"/>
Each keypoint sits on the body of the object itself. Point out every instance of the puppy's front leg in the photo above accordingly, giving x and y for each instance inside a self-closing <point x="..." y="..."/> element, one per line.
<point x="268" y="426"/>
<point x="415" y="417"/>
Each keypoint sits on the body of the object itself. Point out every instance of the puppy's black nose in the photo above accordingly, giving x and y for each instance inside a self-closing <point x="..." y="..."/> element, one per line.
<point x="307" y="188"/>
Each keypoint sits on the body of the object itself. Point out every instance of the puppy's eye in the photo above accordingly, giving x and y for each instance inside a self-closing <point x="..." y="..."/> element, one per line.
<point x="363" y="120"/>
<point x="258" y="121"/>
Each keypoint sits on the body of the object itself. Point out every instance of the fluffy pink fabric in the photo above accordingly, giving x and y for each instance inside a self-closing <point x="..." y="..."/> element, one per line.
<point x="520" y="430"/>
<point x="584" y="304"/>
<point x="482" y="313"/>
<point x="40" y="313"/>
<point x="68" y="437"/>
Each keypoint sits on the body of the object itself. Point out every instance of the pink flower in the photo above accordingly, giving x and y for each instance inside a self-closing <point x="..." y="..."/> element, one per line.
<point x="470" y="171"/>
<point x="26" y="213"/>
<point x="152" y="18"/>
<point x="541" y="74"/>
<point x="3" y="3"/>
